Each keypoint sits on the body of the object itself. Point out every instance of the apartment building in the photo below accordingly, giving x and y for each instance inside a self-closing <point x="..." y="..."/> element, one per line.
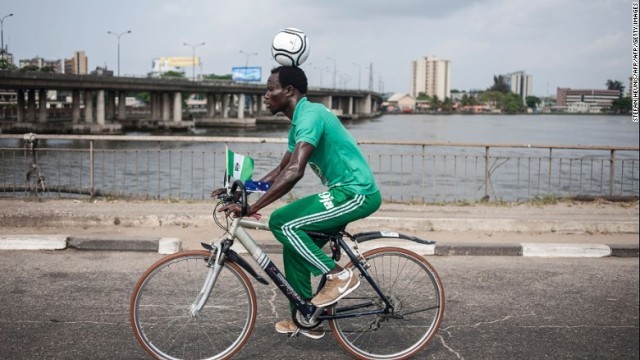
<point x="431" y="76"/>
<point x="521" y="83"/>
<point x="78" y="64"/>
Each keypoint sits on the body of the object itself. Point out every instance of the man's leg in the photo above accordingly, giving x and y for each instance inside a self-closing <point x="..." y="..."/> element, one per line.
<point x="320" y="212"/>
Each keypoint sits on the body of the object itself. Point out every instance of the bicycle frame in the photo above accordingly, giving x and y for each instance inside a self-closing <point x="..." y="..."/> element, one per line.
<point x="306" y="308"/>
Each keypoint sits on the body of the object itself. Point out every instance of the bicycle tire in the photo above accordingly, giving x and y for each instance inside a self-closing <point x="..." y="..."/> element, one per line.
<point x="160" y="309"/>
<point x="416" y="291"/>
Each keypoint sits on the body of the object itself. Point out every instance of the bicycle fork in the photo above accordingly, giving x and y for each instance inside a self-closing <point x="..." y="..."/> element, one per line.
<point x="212" y="275"/>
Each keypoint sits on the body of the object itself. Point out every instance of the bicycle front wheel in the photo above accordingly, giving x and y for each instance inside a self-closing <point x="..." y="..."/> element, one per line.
<point x="413" y="288"/>
<point x="160" y="309"/>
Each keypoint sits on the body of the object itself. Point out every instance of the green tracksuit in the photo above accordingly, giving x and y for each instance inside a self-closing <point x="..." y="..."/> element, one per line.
<point x="352" y="194"/>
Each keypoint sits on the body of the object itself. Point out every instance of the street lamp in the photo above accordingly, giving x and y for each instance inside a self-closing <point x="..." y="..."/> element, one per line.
<point x="246" y="63"/>
<point x="334" y="71"/>
<point x="193" y="58"/>
<point x="118" y="35"/>
<point x="2" y="33"/>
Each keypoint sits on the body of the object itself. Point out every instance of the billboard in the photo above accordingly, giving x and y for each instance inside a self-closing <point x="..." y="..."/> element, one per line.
<point x="174" y="63"/>
<point x="246" y="73"/>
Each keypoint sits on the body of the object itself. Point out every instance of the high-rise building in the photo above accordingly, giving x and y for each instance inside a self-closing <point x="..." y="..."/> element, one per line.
<point x="431" y="76"/>
<point x="78" y="64"/>
<point x="521" y="84"/>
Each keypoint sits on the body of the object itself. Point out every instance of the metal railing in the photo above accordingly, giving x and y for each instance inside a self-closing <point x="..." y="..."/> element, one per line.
<point x="185" y="167"/>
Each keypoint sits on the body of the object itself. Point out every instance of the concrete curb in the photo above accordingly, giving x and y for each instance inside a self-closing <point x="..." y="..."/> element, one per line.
<point x="173" y="245"/>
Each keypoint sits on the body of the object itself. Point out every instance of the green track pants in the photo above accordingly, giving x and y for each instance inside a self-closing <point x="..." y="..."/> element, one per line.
<point x="323" y="212"/>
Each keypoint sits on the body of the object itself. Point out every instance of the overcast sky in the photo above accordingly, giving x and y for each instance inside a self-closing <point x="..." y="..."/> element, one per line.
<point x="561" y="43"/>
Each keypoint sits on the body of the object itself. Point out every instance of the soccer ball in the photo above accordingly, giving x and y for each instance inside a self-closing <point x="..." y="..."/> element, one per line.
<point x="290" y="47"/>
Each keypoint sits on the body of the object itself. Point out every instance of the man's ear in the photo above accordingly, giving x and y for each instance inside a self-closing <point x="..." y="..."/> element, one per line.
<point x="290" y="90"/>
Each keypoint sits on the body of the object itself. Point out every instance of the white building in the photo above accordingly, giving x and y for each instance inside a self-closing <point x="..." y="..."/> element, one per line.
<point x="521" y="84"/>
<point x="431" y="76"/>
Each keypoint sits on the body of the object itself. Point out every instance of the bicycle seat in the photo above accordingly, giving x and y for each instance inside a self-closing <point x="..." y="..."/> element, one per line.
<point x="327" y="235"/>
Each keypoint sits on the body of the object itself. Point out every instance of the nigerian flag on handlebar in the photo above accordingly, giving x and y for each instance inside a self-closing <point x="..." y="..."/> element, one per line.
<point x="239" y="167"/>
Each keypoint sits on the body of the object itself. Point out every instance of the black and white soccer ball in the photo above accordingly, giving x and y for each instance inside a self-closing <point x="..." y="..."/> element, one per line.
<point x="290" y="47"/>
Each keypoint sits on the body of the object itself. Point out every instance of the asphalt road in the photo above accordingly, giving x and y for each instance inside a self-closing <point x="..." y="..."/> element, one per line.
<point x="74" y="305"/>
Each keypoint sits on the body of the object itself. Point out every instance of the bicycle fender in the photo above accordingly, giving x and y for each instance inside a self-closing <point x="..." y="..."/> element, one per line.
<point x="233" y="256"/>
<point x="362" y="237"/>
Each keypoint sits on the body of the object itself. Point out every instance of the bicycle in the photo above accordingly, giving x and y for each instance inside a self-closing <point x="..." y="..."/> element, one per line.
<point x="202" y="304"/>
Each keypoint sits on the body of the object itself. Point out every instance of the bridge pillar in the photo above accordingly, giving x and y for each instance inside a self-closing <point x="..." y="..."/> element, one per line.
<point x="241" y="102"/>
<point x="177" y="106"/>
<point x="166" y="108"/>
<point x="31" y="105"/>
<point x="225" y="105"/>
<point x="260" y="104"/>
<point x="350" y="111"/>
<point x="88" y="107"/>
<point x="328" y="101"/>
<point x="110" y="105"/>
<point x="156" y="106"/>
<point x="122" y="105"/>
<point x="20" y="115"/>
<point x="75" y="106"/>
<point x="42" y="105"/>
<point x="100" y="108"/>
<point x="366" y="108"/>
<point x="211" y="105"/>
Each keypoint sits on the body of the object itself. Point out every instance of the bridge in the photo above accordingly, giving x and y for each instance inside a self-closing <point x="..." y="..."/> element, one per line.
<point x="98" y="103"/>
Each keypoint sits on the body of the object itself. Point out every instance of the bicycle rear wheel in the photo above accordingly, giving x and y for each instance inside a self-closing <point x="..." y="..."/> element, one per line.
<point x="415" y="290"/>
<point x="160" y="309"/>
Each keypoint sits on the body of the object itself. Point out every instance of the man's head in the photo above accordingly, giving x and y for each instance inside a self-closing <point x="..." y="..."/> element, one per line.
<point x="291" y="75"/>
<point x="286" y="85"/>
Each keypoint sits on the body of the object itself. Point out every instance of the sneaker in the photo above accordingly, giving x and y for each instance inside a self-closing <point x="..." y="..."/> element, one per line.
<point x="289" y="327"/>
<point x="336" y="287"/>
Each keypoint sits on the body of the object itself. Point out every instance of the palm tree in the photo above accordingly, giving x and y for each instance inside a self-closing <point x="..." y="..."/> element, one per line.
<point x="615" y="85"/>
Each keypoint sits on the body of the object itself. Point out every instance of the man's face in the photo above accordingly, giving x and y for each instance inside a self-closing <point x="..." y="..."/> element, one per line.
<point x="275" y="97"/>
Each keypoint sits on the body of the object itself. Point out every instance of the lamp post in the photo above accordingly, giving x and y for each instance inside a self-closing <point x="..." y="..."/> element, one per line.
<point x="119" y="35"/>
<point x="193" y="58"/>
<point x="246" y="63"/>
<point x="2" y="50"/>
<point x="334" y="71"/>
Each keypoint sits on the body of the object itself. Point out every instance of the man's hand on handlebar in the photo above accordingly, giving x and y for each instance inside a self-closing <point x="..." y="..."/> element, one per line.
<point x="218" y="192"/>
<point x="235" y="210"/>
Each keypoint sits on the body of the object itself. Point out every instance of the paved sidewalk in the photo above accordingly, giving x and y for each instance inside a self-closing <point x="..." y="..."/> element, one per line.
<point x="565" y="229"/>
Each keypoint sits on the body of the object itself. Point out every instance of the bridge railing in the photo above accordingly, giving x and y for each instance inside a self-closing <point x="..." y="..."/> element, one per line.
<point x="188" y="168"/>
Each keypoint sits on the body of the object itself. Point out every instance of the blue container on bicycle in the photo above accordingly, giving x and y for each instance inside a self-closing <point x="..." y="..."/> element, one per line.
<point x="257" y="186"/>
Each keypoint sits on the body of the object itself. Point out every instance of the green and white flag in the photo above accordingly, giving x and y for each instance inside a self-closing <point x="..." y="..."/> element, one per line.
<point x="239" y="167"/>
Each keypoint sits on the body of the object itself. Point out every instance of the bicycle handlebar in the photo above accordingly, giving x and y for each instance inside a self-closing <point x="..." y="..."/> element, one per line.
<point x="243" y="201"/>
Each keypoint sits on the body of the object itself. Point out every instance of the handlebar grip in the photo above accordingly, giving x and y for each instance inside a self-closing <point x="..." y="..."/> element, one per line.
<point x="244" y="204"/>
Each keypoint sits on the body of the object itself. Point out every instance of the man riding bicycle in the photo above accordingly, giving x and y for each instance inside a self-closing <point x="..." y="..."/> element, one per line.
<point x="317" y="138"/>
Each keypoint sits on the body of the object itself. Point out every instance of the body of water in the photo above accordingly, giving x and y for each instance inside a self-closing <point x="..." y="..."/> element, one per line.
<point x="413" y="173"/>
<point x="592" y="130"/>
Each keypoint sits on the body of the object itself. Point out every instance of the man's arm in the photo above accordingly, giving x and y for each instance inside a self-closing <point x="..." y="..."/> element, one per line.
<point x="291" y="171"/>
<point x="285" y="177"/>
<point x="273" y="174"/>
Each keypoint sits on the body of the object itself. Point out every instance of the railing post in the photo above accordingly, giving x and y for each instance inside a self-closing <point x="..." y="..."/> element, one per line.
<point x="549" y="180"/>
<point x="486" y="173"/>
<point x="91" y="170"/>
<point x="612" y="171"/>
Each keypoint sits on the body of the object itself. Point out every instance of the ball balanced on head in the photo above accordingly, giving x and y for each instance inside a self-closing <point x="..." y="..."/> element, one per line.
<point x="290" y="47"/>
